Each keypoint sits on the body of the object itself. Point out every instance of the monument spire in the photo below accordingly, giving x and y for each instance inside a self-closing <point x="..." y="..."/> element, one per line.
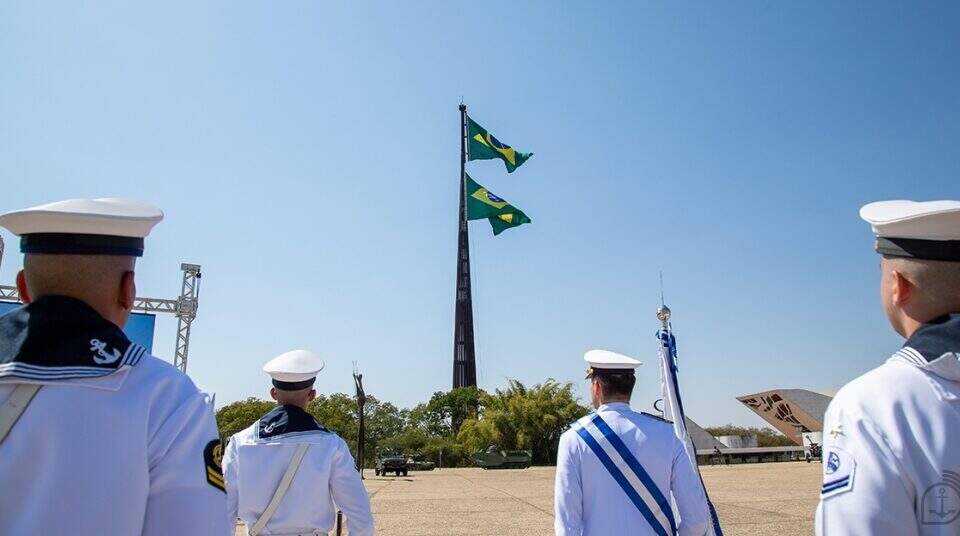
<point x="464" y="356"/>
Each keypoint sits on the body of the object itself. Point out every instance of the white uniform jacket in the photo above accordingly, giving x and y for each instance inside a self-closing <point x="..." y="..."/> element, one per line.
<point x="891" y="456"/>
<point x="257" y="457"/>
<point x="590" y="502"/>
<point x="115" y="442"/>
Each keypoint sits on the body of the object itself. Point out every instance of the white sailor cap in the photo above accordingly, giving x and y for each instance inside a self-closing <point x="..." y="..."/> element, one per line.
<point x="922" y="230"/>
<point x="294" y="370"/>
<point x="84" y="227"/>
<point x="607" y="362"/>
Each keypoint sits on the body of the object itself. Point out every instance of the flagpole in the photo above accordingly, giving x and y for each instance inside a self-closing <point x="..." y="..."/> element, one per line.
<point x="669" y="370"/>
<point x="464" y="356"/>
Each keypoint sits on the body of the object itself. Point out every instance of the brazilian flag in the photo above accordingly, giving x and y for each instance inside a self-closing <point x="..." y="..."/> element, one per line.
<point x="483" y="146"/>
<point x="482" y="203"/>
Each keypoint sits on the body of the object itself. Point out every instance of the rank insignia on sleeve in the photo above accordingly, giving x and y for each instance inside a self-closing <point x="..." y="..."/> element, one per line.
<point x="212" y="456"/>
<point x="839" y="468"/>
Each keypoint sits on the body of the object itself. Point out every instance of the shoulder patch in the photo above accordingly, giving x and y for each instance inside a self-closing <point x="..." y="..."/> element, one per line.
<point x="839" y="468"/>
<point x="212" y="457"/>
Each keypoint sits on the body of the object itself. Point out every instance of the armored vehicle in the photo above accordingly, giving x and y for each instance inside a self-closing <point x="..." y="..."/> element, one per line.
<point x="493" y="458"/>
<point x="391" y="462"/>
<point x="419" y="462"/>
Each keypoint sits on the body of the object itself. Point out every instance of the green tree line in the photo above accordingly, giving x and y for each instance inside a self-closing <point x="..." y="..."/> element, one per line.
<point x="449" y="427"/>
<point x="446" y="429"/>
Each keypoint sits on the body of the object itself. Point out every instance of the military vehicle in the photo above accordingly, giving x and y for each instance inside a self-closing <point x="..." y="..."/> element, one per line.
<point x="493" y="458"/>
<point x="419" y="462"/>
<point x="391" y="462"/>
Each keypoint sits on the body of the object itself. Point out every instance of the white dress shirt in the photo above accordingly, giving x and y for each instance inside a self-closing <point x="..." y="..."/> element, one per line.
<point x="120" y="454"/>
<point x="890" y="449"/>
<point x="589" y="502"/>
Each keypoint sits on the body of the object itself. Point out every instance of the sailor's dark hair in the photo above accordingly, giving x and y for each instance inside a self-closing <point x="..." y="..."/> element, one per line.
<point x="620" y="384"/>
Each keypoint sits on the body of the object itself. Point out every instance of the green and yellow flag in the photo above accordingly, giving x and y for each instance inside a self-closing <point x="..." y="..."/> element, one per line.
<point x="483" y="146"/>
<point x="482" y="203"/>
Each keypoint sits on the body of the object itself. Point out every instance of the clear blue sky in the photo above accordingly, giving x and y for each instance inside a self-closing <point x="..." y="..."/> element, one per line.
<point x="306" y="155"/>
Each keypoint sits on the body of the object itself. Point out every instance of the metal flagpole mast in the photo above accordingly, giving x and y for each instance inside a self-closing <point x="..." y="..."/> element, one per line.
<point x="672" y="403"/>
<point x="464" y="355"/>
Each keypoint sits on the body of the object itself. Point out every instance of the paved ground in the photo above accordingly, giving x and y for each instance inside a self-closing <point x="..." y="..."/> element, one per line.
<point x="752" y="499"/>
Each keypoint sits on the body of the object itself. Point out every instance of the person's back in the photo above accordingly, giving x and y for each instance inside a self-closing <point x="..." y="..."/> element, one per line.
<point x="96" y="437"/>
<point x="119" y="454"/>
<point x="890" y="462"/>
<point x="617" y="469"/>
<point x="259" y="457"/>
<point x="286" y="474"/>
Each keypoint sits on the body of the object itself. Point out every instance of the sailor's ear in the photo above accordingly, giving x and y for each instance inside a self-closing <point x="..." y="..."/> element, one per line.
<point x="128" y="290"/>
<point x="901" y="289"/>
<point x="312" y="395"/>
<point x="22" y="287"/>
<point x="273" y="393"/>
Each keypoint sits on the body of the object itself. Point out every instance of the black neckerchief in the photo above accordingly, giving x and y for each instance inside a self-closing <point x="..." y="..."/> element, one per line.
<point x="937" y="337"/>
<point x="60" y="338"/>
<point x="287" y="419"/>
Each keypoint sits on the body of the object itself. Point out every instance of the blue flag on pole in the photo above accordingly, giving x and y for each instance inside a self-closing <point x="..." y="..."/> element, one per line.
<point x="673" y="409"/>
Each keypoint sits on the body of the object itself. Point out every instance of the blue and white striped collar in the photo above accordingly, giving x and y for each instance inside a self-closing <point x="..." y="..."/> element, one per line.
<point x="934" y="347"/>
<point x="60" y="338"/>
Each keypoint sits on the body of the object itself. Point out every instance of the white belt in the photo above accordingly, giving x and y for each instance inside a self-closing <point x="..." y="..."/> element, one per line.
<point x="281" y="490"/>
<point x="14" y="406"/>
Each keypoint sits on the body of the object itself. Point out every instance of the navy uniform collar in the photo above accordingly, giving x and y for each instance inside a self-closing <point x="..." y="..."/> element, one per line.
<point x="62" y="338"/>
<point x="287" y="420"/>
<point x="937" y="337"/>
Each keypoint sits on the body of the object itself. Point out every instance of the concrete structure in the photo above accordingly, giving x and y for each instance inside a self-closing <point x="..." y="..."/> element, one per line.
<point x="702" y="440"/>
<point x="739" y="442"/>
<point x="791" y="411"/>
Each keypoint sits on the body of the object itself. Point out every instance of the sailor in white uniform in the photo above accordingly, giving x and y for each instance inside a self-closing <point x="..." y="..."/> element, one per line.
<point x="286" y="474"/>
<point x="96" y="436"/>
<point x="617" y="469"/>
<point x="891" y="462"/>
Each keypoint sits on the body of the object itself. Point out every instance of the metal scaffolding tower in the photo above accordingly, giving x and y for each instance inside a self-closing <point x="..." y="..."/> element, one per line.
<point x="184" y="307"/>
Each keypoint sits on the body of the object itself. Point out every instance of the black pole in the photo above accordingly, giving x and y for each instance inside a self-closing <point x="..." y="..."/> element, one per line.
<point x="464" y="356"/>
<point x="361" y="429"/>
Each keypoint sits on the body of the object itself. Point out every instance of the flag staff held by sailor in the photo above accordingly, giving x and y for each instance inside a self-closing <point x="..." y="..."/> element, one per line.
<point x="96" y="435"/>
<point x="617" y="468"/>
<point x="673" y="403"/>
<point x="287" y="474"/>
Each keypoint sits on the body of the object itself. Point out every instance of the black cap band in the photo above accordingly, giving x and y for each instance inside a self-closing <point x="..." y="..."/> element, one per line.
<point x="915" y="248"/>
<point x="293" y="386"/>
<point x="81" y="244"/>
<point x="593" y="371"/>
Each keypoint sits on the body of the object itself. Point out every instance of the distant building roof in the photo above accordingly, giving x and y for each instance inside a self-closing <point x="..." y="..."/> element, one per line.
<point x="791" y="411"/>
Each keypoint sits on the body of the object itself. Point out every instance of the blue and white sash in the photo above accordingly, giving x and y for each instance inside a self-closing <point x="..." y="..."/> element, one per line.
<point x="628" y="473"/>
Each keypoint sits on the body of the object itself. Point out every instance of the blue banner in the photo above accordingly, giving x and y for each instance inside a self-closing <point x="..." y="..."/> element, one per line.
<point x="139" y="327"/>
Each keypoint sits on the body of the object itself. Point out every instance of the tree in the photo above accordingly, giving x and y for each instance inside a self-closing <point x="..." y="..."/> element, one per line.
<point x="443" y="414"/>
<point x="236" y="416"/>
<point x="532" y="418"/>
